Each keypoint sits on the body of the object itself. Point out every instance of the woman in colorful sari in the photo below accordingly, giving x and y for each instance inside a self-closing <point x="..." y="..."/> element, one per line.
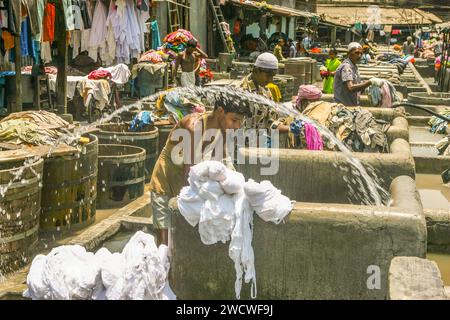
<point x="331" y="64"/>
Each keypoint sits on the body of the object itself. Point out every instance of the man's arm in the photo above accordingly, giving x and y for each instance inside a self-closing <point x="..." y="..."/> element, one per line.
<point x="203" y="55"/>
<point x="190" y="123"/>
<point x="357" y="87"/>
<point x="177" y="65"/>
<point x="348" y="78"/>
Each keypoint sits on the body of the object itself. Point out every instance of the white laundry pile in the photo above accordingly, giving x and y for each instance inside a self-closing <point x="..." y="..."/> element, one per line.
<point x="222" y="204"/>
<point x="120" y="73"/>
<point x="99" y="89"/>
<point x="69" y="273"/>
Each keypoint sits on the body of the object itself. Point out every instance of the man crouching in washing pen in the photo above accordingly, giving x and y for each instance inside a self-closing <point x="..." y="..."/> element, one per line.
<point x="170" y="175"/>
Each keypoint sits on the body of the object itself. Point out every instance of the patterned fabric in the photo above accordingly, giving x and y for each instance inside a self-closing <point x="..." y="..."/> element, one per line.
<point x="262" y="115"/>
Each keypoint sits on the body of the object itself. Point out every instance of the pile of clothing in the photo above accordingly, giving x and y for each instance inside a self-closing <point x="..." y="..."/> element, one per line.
<point x="443" y="146"/>
<point x="384" y="96"/>
<point x="221" y="203"/>
<point x="152" y="56"/>
<point x="47" y="70"/>
<point x="358" y="129"/>
<point x="395" y="59"/>
<point x="99" y="75"/>
<point x="96" y="84"/>
<point x="33" y="128"/>
<point x="71" y="273"/>
<point x="179" y="104"/>
<point x="439" y="125"/>
<point x="141" y="121"/>
<point x="176" y="42"/>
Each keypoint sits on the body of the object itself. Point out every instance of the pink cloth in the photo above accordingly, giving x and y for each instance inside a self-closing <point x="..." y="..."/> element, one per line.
<point x="386" y="101"/>
<point x="313" y="138"/>
<point x="99" y="74"/>
<point x="307" y="92"/>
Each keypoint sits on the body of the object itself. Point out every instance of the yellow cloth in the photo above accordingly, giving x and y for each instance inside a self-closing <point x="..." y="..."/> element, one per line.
<point x="275" y="91"/>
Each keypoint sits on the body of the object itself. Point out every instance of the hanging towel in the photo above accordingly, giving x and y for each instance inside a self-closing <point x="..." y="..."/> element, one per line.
<point x="156" y="38"/>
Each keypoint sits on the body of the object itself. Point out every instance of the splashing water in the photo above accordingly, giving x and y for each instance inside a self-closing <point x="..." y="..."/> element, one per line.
<point x="363" y="184"/>
<point x="368" y="186"/>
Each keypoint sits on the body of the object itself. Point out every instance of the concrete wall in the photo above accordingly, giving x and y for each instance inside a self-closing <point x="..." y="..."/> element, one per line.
<point x="438" y="226"/>
<point x="198" y="21"/>
<point x="412" y="278"/>
<point x="318" y="176"/>
<point x="321" y="252"/>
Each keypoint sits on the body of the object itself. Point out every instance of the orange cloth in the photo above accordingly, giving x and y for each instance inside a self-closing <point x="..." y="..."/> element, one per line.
<point x="48" y="23"/>
<point x="8" y="40"/>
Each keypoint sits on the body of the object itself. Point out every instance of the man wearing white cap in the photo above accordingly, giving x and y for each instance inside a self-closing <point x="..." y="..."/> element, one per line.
<point x="347" y="80"/>
<point x="265" y="68"/>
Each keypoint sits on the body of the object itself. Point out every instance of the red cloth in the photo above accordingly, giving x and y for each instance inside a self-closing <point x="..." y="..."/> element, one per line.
<point x="99" y="74"/>
<point x="48" y="23"/>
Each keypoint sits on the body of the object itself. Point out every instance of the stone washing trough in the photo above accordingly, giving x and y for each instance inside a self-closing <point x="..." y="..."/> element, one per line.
<point x="329" y="240"/>
<point x="437" y="102"/>
<point x="323" y="250"/>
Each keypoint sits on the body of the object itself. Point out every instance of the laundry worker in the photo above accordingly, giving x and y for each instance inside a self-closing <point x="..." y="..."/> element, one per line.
<point x="169" y="175"/>
<point x="264" y="69"/>
<point x="278" y="51"/>
<point x="331" y="64"/>
<point x="347" y="80"/>
<point x="190" y="63"/>
<point x="409" y="47"/>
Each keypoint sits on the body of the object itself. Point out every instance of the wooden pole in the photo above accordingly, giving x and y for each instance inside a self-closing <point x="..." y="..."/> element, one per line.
<point x="61" y="59"/>
<point x="17" y="107"/>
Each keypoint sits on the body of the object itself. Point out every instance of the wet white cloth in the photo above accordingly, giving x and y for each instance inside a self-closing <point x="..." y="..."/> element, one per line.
<point x="188" y="79"/>
<point x="66" y="273"/>
<point x="240" y="249"/>
<point x="120" y="73"/>
<point x="138" y="273"/>
<point x="267" y="201"/>
<point x="216" y="201"/>
<point x="69" y="272"/>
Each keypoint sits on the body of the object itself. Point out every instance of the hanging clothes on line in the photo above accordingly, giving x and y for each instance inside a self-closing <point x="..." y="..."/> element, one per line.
<point x="156" y="38"/>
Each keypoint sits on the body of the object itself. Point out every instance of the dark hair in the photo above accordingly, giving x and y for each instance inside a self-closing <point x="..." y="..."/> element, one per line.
<point x="192" y="43"/>
<point x="333" y="50"/>
<point x="232" y="103"/>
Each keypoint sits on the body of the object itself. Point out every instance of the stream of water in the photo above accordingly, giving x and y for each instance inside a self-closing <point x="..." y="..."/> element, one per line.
<point x="363" y="182"/>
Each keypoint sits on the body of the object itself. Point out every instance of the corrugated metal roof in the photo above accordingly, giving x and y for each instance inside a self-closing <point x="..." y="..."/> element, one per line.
<point x="284" y="11"/>
<point x="347" y="16"/>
